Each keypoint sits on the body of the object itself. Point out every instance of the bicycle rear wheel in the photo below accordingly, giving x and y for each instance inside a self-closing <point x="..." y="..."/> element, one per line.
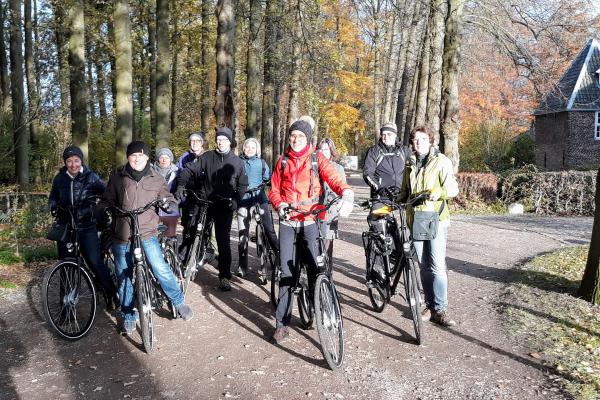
<point x="144" y="306"/>
<point x="109" y="261"/>
<point x="191" y="265"/>
<point x="413" y="297"/>
<point x="377" y="289"/>
<point x="329" y="322"/>
<point x="172" y="260"/>
<point x="69" y="299"/>
<point x="305" y="309"/>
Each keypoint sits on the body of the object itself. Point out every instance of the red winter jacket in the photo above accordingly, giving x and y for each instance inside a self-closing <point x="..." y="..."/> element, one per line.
<point x="292" y="186"/>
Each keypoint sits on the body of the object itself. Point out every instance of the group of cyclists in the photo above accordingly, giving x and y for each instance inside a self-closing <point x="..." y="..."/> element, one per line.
<point x="304" y="178"/>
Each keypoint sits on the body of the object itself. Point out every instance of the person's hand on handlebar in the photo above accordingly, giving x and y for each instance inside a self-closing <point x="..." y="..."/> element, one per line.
<point x="165" y="205"/>
<point x="435" y="194"/>
<point x="283" y="211"/>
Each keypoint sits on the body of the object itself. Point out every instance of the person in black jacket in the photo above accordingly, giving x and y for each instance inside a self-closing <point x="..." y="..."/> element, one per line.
<point x="217" y="176"/>
<point x="383" y="167"/>
<point x="77" y="187"/>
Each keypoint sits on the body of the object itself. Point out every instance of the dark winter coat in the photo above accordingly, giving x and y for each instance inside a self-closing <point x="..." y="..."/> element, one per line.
<point x="384" y="166"/>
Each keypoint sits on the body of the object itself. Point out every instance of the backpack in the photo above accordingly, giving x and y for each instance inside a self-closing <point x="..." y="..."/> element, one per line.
<point x="397" y="152"/>
<point x="314" y="168"/>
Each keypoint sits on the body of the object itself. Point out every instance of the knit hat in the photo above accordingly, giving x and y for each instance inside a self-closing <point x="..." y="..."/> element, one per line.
<point x="304" y="127"/>
<point x="196" y="136"/>
<point x="224" y="131"/>
<point x="164" y="152"/>
<point x="389" y="127"/>
<point x="137" y="146"/>
<point x="72" y="151"/>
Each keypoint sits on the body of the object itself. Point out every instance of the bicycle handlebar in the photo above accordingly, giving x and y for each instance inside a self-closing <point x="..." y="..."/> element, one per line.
<point x="257" y="188"/>
<point x="315" y="211"/>
<point x="137" y="211"/>
<point x="200" y="199"/>
<point x="390" y="192"/>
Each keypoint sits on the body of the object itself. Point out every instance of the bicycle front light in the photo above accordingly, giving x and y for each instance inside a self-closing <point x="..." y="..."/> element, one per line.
<point x="320" y="261"/>
<point x="137" y="254"/>
<point x="70" y="247"/>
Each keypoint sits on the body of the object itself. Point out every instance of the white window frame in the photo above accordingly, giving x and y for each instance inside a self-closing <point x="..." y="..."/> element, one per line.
<point x="597" y="125"/>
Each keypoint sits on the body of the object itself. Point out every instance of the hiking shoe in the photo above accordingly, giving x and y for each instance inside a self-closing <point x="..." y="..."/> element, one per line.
<point x="426" y="314"/>
<point x="280" y="334"/>
<point x="442" y="318"/>
<point x="128" y="327"/>
<point x="184" y="311"/>
<point x="224" y="285"/>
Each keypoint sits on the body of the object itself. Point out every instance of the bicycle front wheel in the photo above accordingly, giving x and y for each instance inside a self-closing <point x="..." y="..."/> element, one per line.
<point x="144" y="306"/>
<point x="376" y="285"/>
<point x="69" y="299"/>
<point x="305" y="309"/>
<point x="413" y="297"/>
<point x="171" y="259"/>
<point x="329" y="322"/>
<point x="189" y="271"/>
<point x="275" y="277"/>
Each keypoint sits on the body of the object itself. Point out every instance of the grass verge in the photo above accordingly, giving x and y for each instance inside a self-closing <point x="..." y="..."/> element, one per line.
<point x="562" y="330"/>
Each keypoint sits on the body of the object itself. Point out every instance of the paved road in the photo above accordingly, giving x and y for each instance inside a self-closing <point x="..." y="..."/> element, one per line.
<point x="224" y="351"/>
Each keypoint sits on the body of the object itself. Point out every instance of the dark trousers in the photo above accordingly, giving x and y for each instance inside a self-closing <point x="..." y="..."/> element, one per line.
<point x="188" y="219"/>
<point x="89" y="246"/>
<point x="291" y="239"/>
<point x="222" y="219"/>
<point x="244" y="216"/>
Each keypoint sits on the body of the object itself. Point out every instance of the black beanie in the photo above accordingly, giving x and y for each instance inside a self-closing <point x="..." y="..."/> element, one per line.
<point x="72" y="151"/>
<point x="225" y="131"/>
<point x="304" y="127"/>
<point x="137" y="146"/>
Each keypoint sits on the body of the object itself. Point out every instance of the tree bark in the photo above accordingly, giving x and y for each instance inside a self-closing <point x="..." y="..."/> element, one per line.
<point x="19" y="129"/>
<point x="423" y="84"/>
<point x="205" y="91"/>
<point x="163" y="67"/>
<point x="62" y="53"/>
<point x="123" y="80"/>
<point x="450" y="120"/>
<point x="78" y="91"/>
<point x="268" y="94"/>
<point x="4" y="77"/>
<point x="152" y="52"/>
<point x="32" y="93"/>
<point x="101" y="91"/>
<point x="253" y="100"/>
<point x="293" y="111"/>
<point x="590" y="283"/>
<point x="174" y="74"/>
<point x="434" y="95"/>
<point x="224" y="108"/>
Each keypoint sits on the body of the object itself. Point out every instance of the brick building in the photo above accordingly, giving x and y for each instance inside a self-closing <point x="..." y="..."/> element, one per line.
<point x="567" y="121"/>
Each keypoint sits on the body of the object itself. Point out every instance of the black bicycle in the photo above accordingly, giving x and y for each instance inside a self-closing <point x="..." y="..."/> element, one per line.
<point x="323" y="304"/>
<point x="390" y="254"/>
<point x="197" y="254"/>
<point x="68" y="290"/>
<point x="148" y="292"/>
<point x="169" y="249"/>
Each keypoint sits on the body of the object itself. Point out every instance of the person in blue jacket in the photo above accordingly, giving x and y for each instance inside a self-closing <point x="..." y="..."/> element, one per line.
<point x="258" y="172"/>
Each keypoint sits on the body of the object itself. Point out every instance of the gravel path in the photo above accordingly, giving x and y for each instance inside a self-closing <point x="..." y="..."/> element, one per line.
<point x="224" y="352"/>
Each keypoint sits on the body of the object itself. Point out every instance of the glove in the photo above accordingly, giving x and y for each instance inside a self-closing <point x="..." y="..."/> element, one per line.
<point x="283" y="211"/>
<point x="347" y="203"/>
<point x="165" y="205"/>
<point x="435" y="194"/>
<point x="179" y="193"/>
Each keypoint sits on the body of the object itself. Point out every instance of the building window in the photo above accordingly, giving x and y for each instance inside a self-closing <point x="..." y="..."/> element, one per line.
<point x="597" y="126"/>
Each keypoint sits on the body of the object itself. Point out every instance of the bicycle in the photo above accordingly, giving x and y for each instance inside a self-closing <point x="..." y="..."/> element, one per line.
<point x="324" y="304"/>
<point x="169" y="248"/>
<point x="68" y="290"/>
<point x="264" y="250"/>
<point x="390" y="257"/>
<point x="197" y="254"/>
<point x="148" y="292"/>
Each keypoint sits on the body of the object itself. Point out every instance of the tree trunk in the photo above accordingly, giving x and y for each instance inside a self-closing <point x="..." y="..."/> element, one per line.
<point x="163" y="66"/>
<point x="19" y="129"/>
<point x="79" y="128"/>
<point x="423" y="84"/>
<point x="62" y="53"/>
<point x="101" y="91"/>
<point x="253" y="100"/>
<point x="450" y="120"/>
<point x="4" y="77"/>
<point x="293" y="111"/>
<point x="590" y="283"/>
<point x="32" y="93"/>
<point x="91" y="107"/>
<point x="123" y="80"/>
<point x="175" y="42"/>
<point x="434" y="95"/>
<point x="205" y="91"/>
<point x="268" y="94"/>
<point x="152" y="52"/>
<point x="224" y="111"/>
<point x="277" y="148"/>
<point x="113" y="67"/>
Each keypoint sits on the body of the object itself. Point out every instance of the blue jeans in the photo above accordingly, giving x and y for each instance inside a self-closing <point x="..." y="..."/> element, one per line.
<point x="124" y="269"/>
<point x="434" y="273"/>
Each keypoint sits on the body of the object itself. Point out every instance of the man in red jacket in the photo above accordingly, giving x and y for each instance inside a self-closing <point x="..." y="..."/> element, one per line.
<point x="294" y="183"/>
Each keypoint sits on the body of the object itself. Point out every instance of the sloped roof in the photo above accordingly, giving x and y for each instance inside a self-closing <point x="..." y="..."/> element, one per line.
<point x="577" y="89"/>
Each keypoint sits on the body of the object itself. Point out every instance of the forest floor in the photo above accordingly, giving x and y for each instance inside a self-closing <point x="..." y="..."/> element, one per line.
<point x="225" y="351"/>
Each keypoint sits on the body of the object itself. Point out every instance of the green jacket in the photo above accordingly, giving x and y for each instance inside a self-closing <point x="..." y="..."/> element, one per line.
<point x="436" y="174"/>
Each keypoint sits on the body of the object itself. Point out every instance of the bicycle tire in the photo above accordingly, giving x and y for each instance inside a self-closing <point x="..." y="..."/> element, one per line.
<point x="328" y="317"/>
<point x="377" y="290"/>
<point x="171" y="259"/>
<point x="413" y="298"/>
<point x="305" y="309"/>
<point x="262" y="252"/>
<point x="109" y="261"/>
<point x="189" y="271"/>
<point x="144" y="306"/>
<point x="69" y="299"/>
<point x="275" y="278"/>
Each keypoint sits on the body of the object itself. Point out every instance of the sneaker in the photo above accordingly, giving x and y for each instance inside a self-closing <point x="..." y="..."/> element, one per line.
<point x="426" y="314"/>
<point x="280" y="334"/>
<point x="241" y="272"/>
<point x="442" y="318"/>
<point x="128" y="327"/>
<point x="184" y="311"/>
<point x="224" y="285"/>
